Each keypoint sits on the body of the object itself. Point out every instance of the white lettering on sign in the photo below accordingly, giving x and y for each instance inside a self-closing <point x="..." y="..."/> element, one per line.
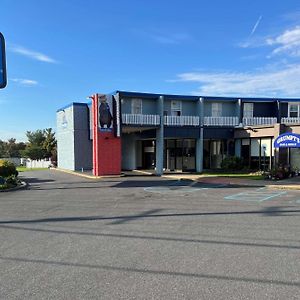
<point x="288" y="138"/>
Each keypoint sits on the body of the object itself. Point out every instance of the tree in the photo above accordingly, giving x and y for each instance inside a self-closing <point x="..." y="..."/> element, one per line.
<point x="36" y="138"/>
<point x="2" y="148"/>
<point x="11" y="148"/>
<point x="34" y="152"/>
<point x="41" y="144"/>
<point x="50" y="142"/>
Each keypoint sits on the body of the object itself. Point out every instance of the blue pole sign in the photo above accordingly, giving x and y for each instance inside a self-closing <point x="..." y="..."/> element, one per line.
<point x="3" y="80"/>
<point x="287" y="140"/>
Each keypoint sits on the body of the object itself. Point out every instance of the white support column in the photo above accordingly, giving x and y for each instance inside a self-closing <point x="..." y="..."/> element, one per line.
<point x="199" y="142"/>
<point x="160" y="138"/>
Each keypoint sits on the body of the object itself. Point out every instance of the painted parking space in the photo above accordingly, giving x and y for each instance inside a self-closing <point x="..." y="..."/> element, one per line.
<point x="183" y="186"/>
<point x="257" y="195"/>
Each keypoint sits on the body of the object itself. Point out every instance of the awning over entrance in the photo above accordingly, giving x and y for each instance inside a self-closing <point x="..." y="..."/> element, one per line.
<point x="287" y="140"/>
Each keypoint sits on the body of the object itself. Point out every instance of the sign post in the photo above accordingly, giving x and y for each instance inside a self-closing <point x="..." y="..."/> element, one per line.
<point x="3" y="79"/>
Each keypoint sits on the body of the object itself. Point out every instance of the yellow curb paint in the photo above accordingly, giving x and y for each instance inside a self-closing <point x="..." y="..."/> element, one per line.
<point x="85" y="175"/>
<point x="284" y="187"/>
<point x="142" y="172"/>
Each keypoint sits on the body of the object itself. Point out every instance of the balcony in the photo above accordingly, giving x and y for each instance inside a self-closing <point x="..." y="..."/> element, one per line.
<point x="141" y="120"/>
<point x="290" y="121"/>
<point x="257" y="121"/>
<point x="181" y="120"/>
<point x="221" y="121"/>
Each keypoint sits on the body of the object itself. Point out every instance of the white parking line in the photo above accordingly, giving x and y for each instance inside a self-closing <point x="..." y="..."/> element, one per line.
<point x="258" y="195"/>
<point x="179" y="187"/>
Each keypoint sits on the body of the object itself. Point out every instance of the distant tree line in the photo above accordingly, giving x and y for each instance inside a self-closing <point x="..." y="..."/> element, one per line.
<point x="11" y="148"/>
<point x="41" y="144"/>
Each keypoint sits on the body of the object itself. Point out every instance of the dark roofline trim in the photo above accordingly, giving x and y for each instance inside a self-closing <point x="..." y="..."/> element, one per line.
<point x="72" y="104"/>
<point x="208" y="98"/>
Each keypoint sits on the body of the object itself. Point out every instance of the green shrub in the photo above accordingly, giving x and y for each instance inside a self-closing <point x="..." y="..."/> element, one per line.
<point x="280" y="172"/>
<point x="232" y="163"/>
<point x="11" y="181"/>
<point x="7" y="168"/>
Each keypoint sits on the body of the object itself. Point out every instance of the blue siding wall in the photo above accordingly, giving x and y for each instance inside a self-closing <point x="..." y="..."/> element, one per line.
<point x="65" y="139"/>
<point x="73" y="143"/>
<point x="218" y="133"/>
<point x="126" y="106"/>
<point x="188" y="108"/>
<point x="284" y="110"/>
<point x="167" y="106"/>
<point x="83" y="145"/>
<point x="229" y="109"/>
<point x="148" y="106"/>
<point x="129" y="152"/>
<point x="268" y="109"/>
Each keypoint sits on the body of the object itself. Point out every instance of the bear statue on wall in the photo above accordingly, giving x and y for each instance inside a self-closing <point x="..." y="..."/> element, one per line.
<point x="105" y="116"/>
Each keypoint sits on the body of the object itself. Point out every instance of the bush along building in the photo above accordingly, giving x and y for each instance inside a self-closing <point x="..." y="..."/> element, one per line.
<point x="131" y="130"/>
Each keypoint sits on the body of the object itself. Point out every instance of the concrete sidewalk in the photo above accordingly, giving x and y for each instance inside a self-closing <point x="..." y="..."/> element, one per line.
<point x="291" y="183"/>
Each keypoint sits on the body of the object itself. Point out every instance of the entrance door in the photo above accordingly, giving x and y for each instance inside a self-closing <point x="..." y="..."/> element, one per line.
<point x="180" y="155"/>
<point x="148" y="154"/>
<point x="189" y="155"/>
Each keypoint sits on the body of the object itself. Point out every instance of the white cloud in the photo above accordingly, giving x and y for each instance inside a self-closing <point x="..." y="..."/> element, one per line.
<point x="25" y="82"/>
<point x="283" y="82"/>
<point x="255" y="25"/>
<point x="286" y="43"/>
<point x="32" y="54"/>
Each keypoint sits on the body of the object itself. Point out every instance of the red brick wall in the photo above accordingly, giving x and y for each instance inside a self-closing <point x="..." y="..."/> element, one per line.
<point x="109" y="154"/>
<point x="106" y="147"/>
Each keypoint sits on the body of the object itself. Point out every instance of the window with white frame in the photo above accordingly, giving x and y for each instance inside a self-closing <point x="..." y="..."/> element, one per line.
<point x="175" y="108"/>
<point x="248" y="110"/>
<point x="136" y="106"/>
<point x="216" y="109"/>
<point x="294" y="111"/>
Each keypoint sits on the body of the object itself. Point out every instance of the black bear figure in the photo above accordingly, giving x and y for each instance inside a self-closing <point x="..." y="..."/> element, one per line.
<point x="105" y="115"/>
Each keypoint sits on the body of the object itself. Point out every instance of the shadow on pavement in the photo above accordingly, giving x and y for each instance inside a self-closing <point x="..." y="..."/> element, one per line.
<point x="36" y="180"/>
<point x="153" y="272"/>
<point x="269" y="211"/>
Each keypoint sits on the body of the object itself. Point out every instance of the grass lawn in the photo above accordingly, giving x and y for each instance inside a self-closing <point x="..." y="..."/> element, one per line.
<point x="24" y="169"/>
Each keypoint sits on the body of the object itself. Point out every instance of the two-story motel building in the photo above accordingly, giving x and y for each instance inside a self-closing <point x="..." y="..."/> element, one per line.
<point x="175" y="133"/>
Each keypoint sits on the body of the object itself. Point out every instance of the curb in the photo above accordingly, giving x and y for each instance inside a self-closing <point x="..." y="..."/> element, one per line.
<point x="284" y="187"/>
<point x="144" y="172"/>
<point x="23" y="185"/>
<point x="271" y="186"/>
<point x="85" y="175"/>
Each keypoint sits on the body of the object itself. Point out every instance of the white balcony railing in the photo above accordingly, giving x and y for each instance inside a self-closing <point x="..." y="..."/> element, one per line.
<point x="181" y="120"/>
<point x="221" y="121"/>
<point x="290" y="120"/>
<point x="139" y="119"/>
<point x="259" y="121"/>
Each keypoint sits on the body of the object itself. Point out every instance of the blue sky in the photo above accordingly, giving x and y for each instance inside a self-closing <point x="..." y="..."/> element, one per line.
<point x="62" y="51"/>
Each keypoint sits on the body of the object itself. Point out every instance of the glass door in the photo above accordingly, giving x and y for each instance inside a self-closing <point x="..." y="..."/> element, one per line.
<point x="189" y="155"/>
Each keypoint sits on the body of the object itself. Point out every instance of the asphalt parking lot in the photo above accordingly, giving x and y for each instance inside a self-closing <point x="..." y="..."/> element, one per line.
<point x="66" y="237"/>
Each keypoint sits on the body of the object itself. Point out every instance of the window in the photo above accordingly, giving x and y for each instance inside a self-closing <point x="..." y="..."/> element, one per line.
<point x="294" y="110"/>
<point x="216" y="110"/>
<point x="175" y="108"/>
<point x="136" y="106"/>
<point x="248" y="110"/>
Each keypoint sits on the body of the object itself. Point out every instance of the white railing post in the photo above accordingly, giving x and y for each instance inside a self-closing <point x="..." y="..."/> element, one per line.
<point x="290" y="120"/>
<point x="139" y="119"/>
